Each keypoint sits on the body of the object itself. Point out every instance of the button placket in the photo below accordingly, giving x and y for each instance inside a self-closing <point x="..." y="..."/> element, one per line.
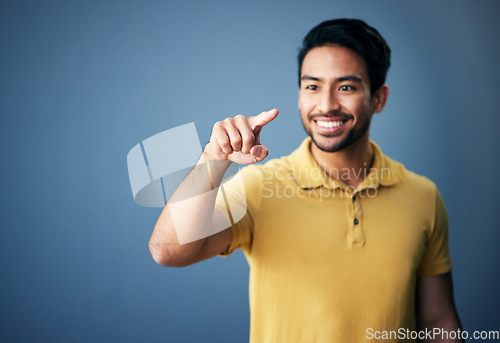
<point x="357" y="235"/>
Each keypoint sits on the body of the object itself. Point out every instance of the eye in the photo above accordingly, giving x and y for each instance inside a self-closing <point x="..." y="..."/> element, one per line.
<point x="312" y="87"/>
<point x="347" y="88"/>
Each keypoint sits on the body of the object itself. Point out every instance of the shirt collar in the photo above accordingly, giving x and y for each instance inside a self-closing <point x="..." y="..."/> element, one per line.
<point x="309" y="175"/>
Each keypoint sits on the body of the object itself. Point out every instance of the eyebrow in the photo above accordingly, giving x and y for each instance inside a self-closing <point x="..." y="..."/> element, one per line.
<point x="339" y="79"/>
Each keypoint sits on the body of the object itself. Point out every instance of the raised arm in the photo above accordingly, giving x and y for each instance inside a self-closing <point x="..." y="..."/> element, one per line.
<point x="190" y="211"/>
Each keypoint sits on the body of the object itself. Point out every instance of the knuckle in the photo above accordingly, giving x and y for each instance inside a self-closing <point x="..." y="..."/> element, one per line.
<point x="228" y="121"/>
<point x="222" y="141"/>
<point x="236" y="140"/>
<point x="227" y="149"/>
<point x="224" y="144"/>
<point x="247" y="138"/>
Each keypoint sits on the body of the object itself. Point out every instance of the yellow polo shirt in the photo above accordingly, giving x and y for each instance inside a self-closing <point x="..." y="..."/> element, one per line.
<point x="332" y="264"/>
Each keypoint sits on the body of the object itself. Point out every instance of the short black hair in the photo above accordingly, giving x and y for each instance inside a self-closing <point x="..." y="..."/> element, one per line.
<point x="356" y="35"/>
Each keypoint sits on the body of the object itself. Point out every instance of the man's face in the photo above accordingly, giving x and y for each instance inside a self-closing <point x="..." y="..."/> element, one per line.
<point x="334" y="98"/>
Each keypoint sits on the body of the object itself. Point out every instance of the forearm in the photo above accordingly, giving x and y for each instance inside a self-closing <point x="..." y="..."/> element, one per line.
<point x="188" y="218"/>
<point x="189" y="230"/>
<point x="436" y="310"/>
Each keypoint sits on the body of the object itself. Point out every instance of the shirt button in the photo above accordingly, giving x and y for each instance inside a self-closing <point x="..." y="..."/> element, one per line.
<point x="356" y="221"/>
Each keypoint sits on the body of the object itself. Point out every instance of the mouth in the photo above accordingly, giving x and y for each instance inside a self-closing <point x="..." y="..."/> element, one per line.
<point x="329" y="125"/>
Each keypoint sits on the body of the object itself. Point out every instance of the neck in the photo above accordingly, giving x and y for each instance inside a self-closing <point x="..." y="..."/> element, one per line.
<point x="349" y="165"/>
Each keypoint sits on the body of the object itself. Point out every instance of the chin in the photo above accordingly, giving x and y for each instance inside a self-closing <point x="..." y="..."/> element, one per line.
<point x="331" y="144"/>
<point x="329" y="147"/>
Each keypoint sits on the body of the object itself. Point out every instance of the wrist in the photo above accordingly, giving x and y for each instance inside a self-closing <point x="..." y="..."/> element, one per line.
<point x="215" y="167"/>
<point x="209" y="155"/>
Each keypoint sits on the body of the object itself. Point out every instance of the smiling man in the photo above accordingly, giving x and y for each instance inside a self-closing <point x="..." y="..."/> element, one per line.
<point x="344" y="244"/>
<point x="336" y="106"/>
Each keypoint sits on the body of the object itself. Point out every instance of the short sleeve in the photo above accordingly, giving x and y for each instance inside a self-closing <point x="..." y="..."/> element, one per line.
<point x="436" y="259"/>
<point x="238" y="200"/>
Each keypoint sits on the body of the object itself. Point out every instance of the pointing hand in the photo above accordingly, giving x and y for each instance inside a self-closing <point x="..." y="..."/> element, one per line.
<point x="237" y="139"/>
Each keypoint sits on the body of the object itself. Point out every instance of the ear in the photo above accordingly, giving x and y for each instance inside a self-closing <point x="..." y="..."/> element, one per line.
<point x="379" y="99"/>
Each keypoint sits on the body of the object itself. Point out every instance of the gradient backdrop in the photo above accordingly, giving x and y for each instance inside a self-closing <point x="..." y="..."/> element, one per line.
<point x="82" y="82"/>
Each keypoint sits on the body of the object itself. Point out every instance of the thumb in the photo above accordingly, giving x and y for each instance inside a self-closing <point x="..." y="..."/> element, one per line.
<point x="259" y="152"/>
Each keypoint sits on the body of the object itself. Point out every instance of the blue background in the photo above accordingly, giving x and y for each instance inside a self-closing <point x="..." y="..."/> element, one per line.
<point x="82" y="82"/>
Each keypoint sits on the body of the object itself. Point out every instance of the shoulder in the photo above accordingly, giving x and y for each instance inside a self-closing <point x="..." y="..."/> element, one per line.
<point x="410" y="178"/>
<point x="415" y="186"/>
<point x="394" y="174"/>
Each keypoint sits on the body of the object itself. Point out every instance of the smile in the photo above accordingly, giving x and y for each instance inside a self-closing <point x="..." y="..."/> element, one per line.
<point x="329" y="124"/>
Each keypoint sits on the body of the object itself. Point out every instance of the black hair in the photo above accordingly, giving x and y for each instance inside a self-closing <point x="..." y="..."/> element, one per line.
<point x="356" y="35"/>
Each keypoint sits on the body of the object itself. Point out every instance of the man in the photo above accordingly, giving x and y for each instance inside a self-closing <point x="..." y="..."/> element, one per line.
<point x="344" y="244"/>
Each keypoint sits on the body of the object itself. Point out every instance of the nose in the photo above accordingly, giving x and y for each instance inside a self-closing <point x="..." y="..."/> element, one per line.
<point x="328" y="102"/>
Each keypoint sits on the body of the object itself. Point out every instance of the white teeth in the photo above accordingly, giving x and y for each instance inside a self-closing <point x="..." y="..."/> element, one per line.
<point x="329" y="124"/>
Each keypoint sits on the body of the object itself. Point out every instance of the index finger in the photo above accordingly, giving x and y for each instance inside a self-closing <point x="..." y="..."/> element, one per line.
<point x="264" y="118"/>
